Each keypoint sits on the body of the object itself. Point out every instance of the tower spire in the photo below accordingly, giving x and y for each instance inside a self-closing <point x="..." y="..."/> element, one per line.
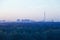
<point x="44" y="16"/>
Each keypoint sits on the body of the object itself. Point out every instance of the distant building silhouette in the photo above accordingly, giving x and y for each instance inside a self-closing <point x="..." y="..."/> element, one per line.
<point x="18" y="20"/>
<point x="52" y="20"/>
<point x="26" y="20"/>
<point x="3" y="21"/>
<point x="44" y="18"/>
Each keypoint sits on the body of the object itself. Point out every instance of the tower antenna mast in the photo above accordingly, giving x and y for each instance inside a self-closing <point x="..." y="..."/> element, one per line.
<point x="44" y="17"/>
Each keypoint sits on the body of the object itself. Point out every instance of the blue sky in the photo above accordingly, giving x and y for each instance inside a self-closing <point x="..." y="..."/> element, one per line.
<point x="31" y="9"/>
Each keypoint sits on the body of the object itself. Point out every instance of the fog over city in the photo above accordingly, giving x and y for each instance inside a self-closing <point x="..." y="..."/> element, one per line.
<point x="11" y="10"/>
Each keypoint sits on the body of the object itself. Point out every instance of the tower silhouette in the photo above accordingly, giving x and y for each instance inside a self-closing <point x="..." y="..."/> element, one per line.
<point x="18" y="20"/>
<point x="44" y="19"/>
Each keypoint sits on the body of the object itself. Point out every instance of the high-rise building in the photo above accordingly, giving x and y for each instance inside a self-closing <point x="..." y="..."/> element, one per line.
<point x="44" y="19"/>
<point x="18" y="20"/>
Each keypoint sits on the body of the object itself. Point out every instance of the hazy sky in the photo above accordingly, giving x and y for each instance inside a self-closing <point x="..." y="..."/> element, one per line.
<point x="30" y="9"/>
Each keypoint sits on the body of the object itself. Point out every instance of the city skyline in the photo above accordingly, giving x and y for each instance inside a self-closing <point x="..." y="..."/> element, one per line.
<point x="30" y="9"/>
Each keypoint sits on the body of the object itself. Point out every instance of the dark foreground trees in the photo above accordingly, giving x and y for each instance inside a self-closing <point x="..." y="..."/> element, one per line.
<point x="29" y="31"/>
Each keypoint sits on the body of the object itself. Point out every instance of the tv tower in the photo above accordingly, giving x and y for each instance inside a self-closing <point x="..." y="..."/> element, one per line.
<point x="44" y="19"/>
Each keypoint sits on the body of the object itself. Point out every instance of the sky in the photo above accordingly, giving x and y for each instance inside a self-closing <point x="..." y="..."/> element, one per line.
<point x="30" y="9"/>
